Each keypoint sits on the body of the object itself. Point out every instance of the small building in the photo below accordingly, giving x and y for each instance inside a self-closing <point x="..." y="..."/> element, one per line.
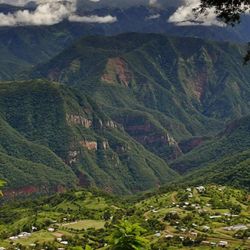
<point x="182" y="238"/>
<point x="158" y="235"/>
<point x="51" y="229"/>
<point x="13" y="238"/>
<point x="200" y="189"/>
<point x="194" y="234"/>
<point x="236" y="228"/>
<point x="169" y="236"/>
<point x="205" y="228"/>
<point x="215" y="216"/>
<point x="205" y="242"/>
<point x="223" y="243"/>
<point x="64" y="242"/>
<point x="24" y="235"/>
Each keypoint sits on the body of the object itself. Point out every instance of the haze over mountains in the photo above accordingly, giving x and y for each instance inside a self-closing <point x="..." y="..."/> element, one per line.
<point x="123" y="112"/>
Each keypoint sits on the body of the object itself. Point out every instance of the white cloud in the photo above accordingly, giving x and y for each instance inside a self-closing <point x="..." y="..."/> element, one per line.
<point x="153" y="17"/>
<point x="153" y="2"/>
<point x="15" y="2"/>
<point x="93" y="19"/>
<point x="49" y="12"/>
<point x="185" y="16"/>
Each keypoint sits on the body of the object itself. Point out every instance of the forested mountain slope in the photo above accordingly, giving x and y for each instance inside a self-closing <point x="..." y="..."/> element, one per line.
<point x="52" y="136"/>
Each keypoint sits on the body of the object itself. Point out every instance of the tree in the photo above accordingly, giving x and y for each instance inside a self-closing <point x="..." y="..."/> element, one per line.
<point x="227" y="10"/>
<point x="127" y="236"/>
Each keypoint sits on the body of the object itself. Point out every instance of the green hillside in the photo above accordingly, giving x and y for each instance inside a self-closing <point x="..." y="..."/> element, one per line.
<point x="47" y="127"/>
<point x="231" y="170"/>
<point x="234" y="139"/>
<point x="198" y="218"/>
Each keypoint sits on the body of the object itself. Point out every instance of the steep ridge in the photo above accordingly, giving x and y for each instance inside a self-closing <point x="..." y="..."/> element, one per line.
<point x="232" y="141"/>
<point x="162" y="90"/>
<point x="89" y="148"/>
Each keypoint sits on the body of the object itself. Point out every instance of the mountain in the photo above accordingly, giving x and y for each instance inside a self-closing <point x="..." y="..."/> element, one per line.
<point x="230" y="170"/>
<point x="161" y="92"/>
<point x="223" y="159"/>
<point x="24" y="47"/>
<point x="53" y="137"/>
<point x="233" y="140"/>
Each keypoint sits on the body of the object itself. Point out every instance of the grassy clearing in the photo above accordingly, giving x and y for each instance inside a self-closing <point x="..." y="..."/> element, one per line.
<point x="85" y="224"/>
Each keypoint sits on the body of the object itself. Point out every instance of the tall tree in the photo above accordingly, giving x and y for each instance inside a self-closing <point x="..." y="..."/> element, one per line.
<point x="228" y="11"/>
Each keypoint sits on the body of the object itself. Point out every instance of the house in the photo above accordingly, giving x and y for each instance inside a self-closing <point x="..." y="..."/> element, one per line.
<point x="204" y="242"/>
<point x="51" y="229"/>
<point x="24" y="235"/>
<point x="223" y="243"/>
<point x="189" y="189"/>
<point x="205" y="228"/>
<point x="200" y="189"/>
<point x="2" y="248"/>
<point x="64" y="242"/>
<point x="59" y="239"/>
<point x="158" y="234"/>
<point x="194" y="234"/>
<point x="181" y="238"/>
<point x="13" y="238"/>
<point x="236" y="228"/>
<point x="215" y="216"/>
<point x="169" y="236"/>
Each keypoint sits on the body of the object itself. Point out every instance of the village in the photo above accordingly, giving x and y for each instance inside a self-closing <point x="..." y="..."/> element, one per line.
<point x="201" y="217"/>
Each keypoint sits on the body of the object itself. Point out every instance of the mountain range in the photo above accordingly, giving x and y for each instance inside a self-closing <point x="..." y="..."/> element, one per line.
<point x="82" y="105"/>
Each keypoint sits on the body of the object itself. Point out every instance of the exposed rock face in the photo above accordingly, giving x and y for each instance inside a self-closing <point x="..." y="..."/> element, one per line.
<point x="73" y="157"/>
<point x="199" y="84"/>
<point x="117" y="71"/>
<point x="146" y="134"/>
<point x="21" y="191"/>
<point x="105" y="145"/>
<point x="90" y="145"/>
<point x="54" y="75"/>
<point x="29" y="190"/>
<point x="79" y="120"/>
<point x="111" y="124"/>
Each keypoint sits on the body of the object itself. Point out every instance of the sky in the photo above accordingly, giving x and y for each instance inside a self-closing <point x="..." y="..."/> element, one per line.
<point x="50" y="12"/>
